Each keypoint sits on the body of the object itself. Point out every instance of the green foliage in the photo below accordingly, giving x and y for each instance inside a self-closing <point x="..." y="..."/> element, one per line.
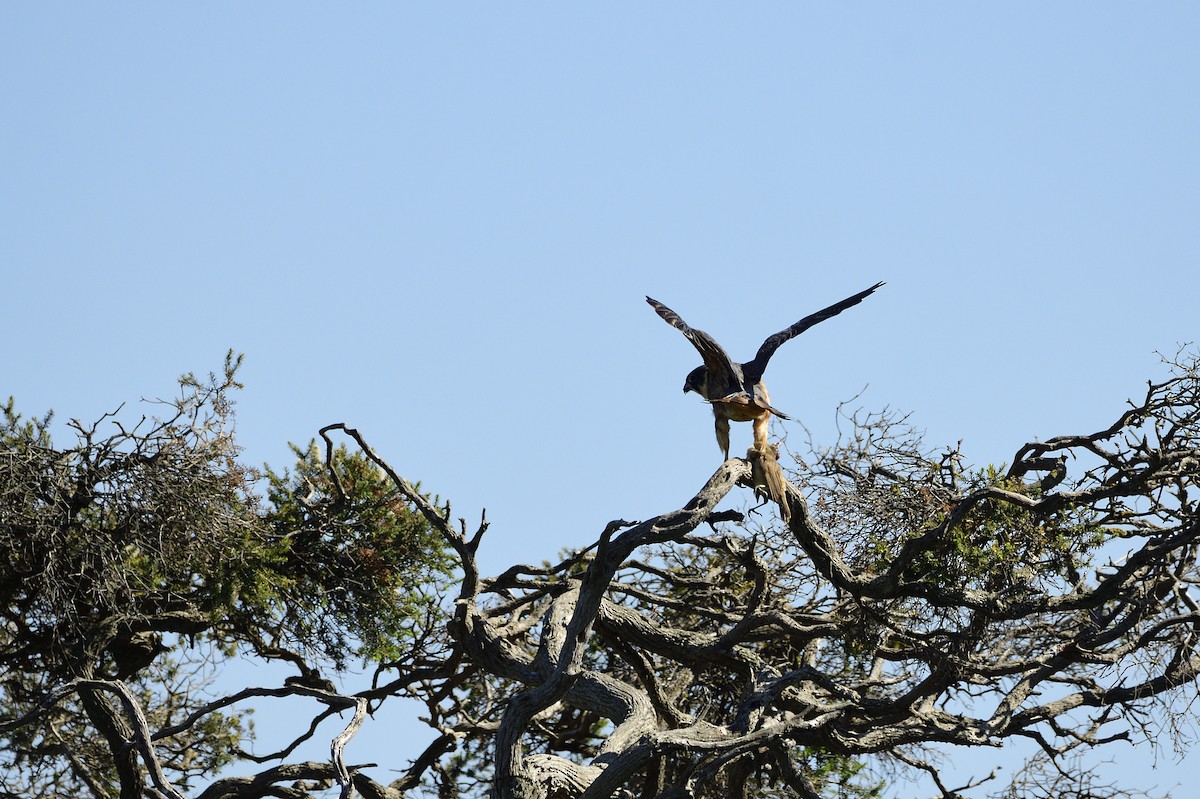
<point x="997" y="534"/>
<point x="146" y="541"/>
<point x="17" y="434"/>
<point x="840" y="777"/>
<point x="130" y="525"/>
<point x="29" y="758"/>
<point x="351" y="547"/>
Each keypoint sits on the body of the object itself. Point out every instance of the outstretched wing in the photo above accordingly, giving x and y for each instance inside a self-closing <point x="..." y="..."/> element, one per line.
<point x="754" y="369"/>
<point x="721" y="370"/>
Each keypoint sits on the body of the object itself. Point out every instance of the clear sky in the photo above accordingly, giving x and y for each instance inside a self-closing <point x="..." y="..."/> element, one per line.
<point x="437" y="222"/>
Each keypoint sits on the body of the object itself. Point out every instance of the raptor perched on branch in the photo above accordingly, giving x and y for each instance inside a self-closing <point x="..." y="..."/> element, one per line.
<point x="735" y="390"/>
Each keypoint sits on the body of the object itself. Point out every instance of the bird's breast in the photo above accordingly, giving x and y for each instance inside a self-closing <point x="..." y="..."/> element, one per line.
<point x="738" y="406"/>
<point x="740" y="409"/>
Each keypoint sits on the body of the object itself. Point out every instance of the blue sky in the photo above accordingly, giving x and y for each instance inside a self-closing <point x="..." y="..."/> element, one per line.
<point x="437" y="224"/>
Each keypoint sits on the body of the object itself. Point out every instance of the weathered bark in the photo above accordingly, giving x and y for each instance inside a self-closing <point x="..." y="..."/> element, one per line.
<point x="898" y="600"/>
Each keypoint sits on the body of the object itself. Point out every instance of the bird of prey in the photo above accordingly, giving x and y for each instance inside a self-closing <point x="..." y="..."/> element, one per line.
<point x="736" y="391"/>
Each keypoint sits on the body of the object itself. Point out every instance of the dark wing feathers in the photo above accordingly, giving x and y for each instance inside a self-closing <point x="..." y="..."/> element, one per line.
<point x="754" y="369"/>
<point x="716" y="360"/>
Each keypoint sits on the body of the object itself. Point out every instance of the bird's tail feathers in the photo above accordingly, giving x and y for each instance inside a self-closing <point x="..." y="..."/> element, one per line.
<point x="777" y="412"/>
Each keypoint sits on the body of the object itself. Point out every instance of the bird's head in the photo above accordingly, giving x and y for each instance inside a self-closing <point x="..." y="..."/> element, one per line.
<point x="696" y="380"/>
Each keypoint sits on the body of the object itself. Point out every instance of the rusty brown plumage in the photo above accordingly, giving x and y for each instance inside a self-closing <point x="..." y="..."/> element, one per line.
<point x="736" y="390"/>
